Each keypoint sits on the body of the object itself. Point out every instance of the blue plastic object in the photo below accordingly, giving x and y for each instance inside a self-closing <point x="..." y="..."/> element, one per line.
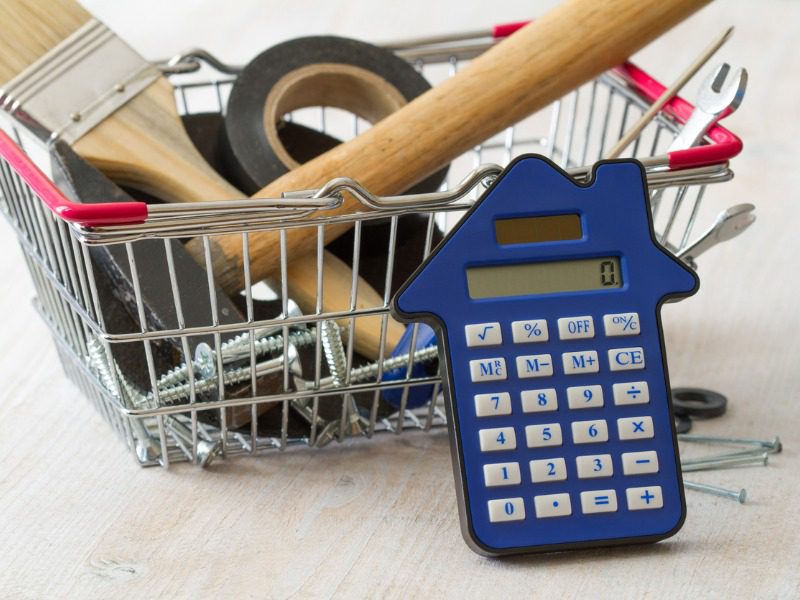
<point x="418" y="395"/>
<point x="615" y="221"/>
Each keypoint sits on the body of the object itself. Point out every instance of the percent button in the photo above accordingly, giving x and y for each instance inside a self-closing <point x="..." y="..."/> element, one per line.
<point x="621" y="324"/>
<point x="534" y="330"/>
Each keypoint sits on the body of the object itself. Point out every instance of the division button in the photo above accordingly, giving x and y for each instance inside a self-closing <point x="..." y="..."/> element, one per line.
<point x="598" y="465"/>
<point x="621" y="324"/>
<point x="585" y="396"/>
<point x="635" y="428"/>
<point x="490" y="405"/>
<point x="598" y="501"/>
<point x="544" y="400"/>
<point x="589" y="432"/>
<point x="535" y="365"/>
<point x="643" y="498"/>
<point x="488" y="369"/>
<point x="498" y="438"/>
<point x="506" y="509"/>
<point x="525" y="332"/>
<point x="576" y="328"/>
<point x="640" y="463"/>
<point x="483" y="334"/>
<point x="548" y="469"/>
<point x="552" y="505"/>
<point x="538" y="436"/>
<point x="576" y="363"/>
<point x="626" y="359"/>
<point x="499" y="474"/>
<point x="634" y="392"/>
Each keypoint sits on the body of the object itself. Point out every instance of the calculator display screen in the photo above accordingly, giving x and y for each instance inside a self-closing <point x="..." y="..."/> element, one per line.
<point x="533" y="230"/>
<point x="544" y="277"/>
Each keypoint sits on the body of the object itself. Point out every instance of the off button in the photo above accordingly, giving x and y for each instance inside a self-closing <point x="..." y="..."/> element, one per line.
<point x="576" y="328"/>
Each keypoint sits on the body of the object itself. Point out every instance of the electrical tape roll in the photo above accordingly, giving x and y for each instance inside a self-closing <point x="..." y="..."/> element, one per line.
<point x="305" y="72"/>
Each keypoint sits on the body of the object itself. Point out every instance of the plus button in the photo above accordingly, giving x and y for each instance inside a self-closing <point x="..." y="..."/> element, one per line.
<point x="647" y="496"/>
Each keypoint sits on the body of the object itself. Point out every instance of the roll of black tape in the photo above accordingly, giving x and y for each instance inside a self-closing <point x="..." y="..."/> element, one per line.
<point x="365" y="80"/>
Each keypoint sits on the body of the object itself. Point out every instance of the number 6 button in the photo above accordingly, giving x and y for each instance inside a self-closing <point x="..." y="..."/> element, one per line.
<point x="589" y="432"/>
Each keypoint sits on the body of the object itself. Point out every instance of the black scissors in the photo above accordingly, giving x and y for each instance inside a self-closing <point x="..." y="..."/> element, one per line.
<point x="697" y="403"/>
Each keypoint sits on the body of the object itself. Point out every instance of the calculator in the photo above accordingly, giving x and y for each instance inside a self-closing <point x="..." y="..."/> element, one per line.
<point x="546" y="300"/>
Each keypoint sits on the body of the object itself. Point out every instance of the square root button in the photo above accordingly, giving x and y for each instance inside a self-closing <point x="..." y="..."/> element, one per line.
<point x="483" y="334"/>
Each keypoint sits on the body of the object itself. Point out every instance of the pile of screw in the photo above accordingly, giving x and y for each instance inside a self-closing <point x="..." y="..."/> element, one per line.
<point x="756" y="454"/>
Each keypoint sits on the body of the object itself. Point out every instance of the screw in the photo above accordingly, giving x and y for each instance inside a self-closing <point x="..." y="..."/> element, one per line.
<point x="773" y="446"/>
<point x="720" y="462"/>
<point x="739" y="496"/>
<point x="119" y="87"/>
<point x="147" y="449"/>
<point x="336" y="358"/>
<point x="206" y="451"/>
<point x="76" y="117"/>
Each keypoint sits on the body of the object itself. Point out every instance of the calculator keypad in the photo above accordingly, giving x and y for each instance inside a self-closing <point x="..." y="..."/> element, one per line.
<point x="587" y="404"/>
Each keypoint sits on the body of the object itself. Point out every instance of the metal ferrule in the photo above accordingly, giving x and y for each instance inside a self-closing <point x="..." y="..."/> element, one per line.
<point x="77" y="84"/>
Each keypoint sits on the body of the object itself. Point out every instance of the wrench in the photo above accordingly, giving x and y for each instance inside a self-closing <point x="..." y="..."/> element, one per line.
<point x="730" y="223"/>
<point x="718" y="94"/>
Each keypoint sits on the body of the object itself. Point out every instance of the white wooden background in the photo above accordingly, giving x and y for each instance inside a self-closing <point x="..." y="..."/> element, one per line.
<point x="78" y="519"/>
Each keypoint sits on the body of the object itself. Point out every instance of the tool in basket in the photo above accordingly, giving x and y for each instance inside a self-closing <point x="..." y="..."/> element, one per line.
<point x="565" y="131"/>
<point x="555" y="375"/>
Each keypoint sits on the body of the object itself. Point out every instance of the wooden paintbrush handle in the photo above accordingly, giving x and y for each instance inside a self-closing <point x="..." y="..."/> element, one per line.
<point x="568" y="46"/>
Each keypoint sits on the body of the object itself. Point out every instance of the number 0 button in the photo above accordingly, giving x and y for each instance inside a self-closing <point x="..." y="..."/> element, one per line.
<point x="506" y="509"/>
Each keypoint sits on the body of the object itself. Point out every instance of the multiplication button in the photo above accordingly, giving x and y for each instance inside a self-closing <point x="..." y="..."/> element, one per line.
<point x="598" y="501"/>
<point x="621" y="324"/>
<point x="576" y="328"/>
<point x="577" y="363"/>
<point x="490" y="405"/>
<point x="635" y="428"/>
<point x="552" y="505"/>
<point x="483" y="334"/>
<point x="506" y="509"/>
<point x="498" y="438"/>
<point x="499" y="474"/>
<point x="488" y="369"/>
<point x="526" y="332"/>
<point x="644" y="498"/>
<point x="634" y="392"/>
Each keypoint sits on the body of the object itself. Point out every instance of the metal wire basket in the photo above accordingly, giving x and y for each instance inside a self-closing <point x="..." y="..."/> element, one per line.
<point x="318" y="389"/>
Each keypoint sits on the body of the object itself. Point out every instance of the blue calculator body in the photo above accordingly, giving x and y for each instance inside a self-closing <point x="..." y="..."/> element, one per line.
<point x="546" y="299"/>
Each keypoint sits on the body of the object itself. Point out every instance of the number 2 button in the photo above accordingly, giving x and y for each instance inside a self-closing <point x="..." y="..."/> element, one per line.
<point x="550" y="469"/>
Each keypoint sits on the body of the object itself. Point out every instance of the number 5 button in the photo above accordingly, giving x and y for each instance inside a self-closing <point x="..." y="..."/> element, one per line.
<point x="543" y="435"/>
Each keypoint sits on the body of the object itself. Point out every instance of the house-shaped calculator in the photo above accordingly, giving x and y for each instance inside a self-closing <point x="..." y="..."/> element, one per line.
<point x="546" y="300"/>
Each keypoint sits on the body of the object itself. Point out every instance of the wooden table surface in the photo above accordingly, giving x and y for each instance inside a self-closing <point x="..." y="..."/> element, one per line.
<point x="79" y="519"/>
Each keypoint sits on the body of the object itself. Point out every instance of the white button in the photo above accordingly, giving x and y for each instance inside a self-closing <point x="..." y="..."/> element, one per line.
<point x="535" y="365"/>
<point x="543" y="435"/>
<point x="490" y="405"/>
<point x="598" y="501"/>
<point x="585" y="396"/>
<point x="576" y="328"/>
<point x="506" y="509"/>
<point x="501" y="474"/>
<point x="634" y="392"/>
<point x="626" y="359"/>
<point x="621" y="324"/>
<point x="552" y="505"/>
<point x="488" y="369"/>
<point x="534" y="330"/>
<point x="588" y="432"/>
<point x="539" y="400"/>
<point x="639" y="463"/>
<point x="642" y="498"/>
<point x="599" y="465"/>
<point x="499" y="438"/>
<point x="576" y="363"/>
<point x="549" y="469"/>
<point x="635" y="428"/>
<point x="483" y="334"/>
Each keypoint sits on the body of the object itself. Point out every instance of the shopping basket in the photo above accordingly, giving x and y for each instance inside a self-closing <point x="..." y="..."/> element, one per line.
<point x="321" y="390"/>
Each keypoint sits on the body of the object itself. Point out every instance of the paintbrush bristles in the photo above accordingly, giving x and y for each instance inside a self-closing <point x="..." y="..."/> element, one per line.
<point x="32" y="27"/>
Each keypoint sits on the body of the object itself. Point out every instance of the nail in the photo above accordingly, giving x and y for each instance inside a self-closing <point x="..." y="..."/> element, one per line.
<point x="773" y="445"/>
<point x="724" y="461"/>
<point x="739" y="496"/>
